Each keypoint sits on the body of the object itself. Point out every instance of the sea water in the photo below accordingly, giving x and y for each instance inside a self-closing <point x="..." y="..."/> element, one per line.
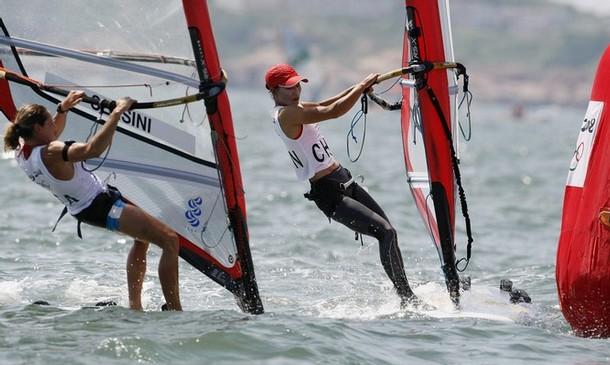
<point x="327" y="298"/>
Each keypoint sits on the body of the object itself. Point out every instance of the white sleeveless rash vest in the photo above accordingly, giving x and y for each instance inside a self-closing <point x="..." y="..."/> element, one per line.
<point x="76" y="194"/>
<point x="309" y="153"/>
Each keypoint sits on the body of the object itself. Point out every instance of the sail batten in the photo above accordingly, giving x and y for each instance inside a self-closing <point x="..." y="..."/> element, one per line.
<point x="97" y="59"/>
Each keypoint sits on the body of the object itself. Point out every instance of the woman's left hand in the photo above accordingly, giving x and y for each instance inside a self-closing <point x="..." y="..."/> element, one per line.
<point x="368" y="82"/>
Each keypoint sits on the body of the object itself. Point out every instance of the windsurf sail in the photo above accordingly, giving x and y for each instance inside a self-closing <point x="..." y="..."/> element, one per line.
<point x="583" y="252"/>
<point x="175" y="155"/>
<point x="429" y="119"/>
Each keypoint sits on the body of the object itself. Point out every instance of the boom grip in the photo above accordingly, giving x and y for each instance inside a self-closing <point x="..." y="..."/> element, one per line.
<point x="109" y="104"/>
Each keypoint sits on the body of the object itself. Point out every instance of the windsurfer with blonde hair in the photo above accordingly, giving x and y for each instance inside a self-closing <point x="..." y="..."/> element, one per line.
<point x="333" y="189"/>
<point x="56" y="166"/>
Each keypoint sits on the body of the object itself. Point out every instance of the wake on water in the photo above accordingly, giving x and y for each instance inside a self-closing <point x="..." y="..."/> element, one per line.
<point x="76" y="295"/>
<point x="480" y="301"/>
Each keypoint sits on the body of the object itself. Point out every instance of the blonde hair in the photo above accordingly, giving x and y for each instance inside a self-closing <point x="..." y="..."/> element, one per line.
<point x="23" y="125"/>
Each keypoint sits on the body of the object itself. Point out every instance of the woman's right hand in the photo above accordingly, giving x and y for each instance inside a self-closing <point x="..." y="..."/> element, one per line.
<point x="123" y="104"/>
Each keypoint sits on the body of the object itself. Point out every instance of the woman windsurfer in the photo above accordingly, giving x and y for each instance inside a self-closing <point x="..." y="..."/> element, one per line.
<point x="55" y="165"/>
<point x="333" y="189"/>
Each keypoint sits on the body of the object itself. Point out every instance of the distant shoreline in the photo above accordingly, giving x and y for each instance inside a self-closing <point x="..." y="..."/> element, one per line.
<point x="540" y="52"/>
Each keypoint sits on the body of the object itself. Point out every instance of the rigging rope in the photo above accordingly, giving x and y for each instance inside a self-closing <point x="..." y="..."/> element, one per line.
<point x="468" y="98"/>
<point x="360" y="115"/>
<point x="458" y="176"/>
<point x="115" y="86"/>
<point x="92" y="131"/>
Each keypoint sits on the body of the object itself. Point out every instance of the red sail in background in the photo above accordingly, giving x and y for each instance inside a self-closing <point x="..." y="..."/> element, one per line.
<point x="583" y="255"/>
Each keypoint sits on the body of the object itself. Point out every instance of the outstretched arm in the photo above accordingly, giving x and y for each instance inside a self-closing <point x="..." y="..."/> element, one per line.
<point x="98" y="143"/>
<point x="330" y="100"/>
<point x="338" y="105"/>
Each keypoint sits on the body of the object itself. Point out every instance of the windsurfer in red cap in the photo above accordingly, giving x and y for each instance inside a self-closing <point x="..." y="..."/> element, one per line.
<point x="333" y="189"/>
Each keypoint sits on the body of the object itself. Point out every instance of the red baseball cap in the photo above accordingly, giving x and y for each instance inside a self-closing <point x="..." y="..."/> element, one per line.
<point x="282" y="75"/>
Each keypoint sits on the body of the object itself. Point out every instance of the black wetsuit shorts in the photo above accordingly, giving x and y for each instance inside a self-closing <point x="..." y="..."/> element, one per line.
<point x="98" y="212"/>
<point x="328" y="191"/>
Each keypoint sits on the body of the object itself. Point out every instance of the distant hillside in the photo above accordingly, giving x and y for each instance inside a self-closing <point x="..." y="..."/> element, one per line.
<point x="518" y="51"/>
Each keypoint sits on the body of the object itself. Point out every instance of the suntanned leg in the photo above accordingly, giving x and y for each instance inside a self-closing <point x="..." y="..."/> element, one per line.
<point x="140" y="225"/>
<point x="136" y="269"/>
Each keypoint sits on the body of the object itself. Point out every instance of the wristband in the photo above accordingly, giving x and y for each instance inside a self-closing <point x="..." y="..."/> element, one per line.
<point x="60" y="111"/>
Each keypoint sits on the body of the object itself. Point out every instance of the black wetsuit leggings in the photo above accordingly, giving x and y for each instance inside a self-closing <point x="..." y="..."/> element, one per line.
<point x="344" y="201"/>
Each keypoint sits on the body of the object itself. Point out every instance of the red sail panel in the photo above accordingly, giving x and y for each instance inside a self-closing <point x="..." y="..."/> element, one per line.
<point x="583" y="254"/>
<point x="7" y="105"/>
<point x="427" y="149"/>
